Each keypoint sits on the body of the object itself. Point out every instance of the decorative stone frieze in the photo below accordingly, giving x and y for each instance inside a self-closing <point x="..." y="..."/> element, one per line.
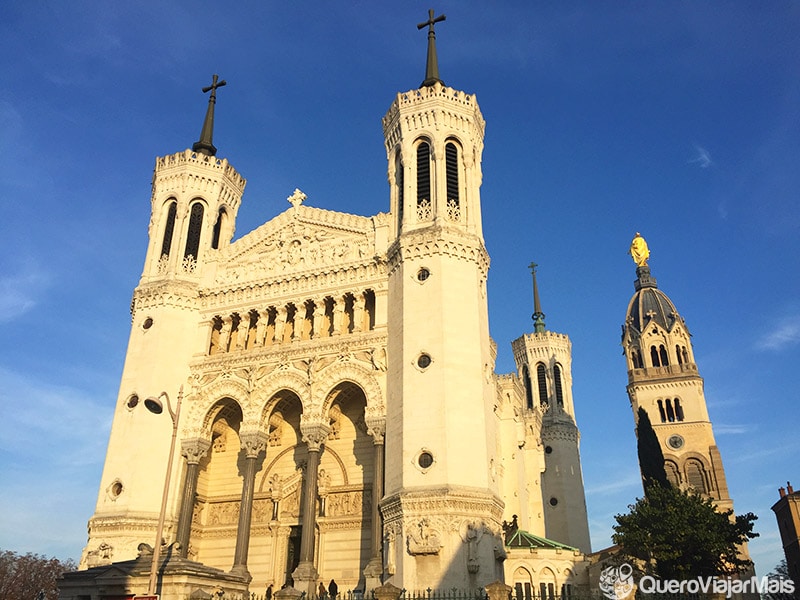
<point x="438" y="241"/>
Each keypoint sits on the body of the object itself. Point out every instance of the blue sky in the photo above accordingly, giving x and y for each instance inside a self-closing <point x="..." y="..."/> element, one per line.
<point x="676" y="119"/>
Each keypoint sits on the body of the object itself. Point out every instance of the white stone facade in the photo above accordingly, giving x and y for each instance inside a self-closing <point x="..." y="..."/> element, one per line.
<point x="341" y="418"/>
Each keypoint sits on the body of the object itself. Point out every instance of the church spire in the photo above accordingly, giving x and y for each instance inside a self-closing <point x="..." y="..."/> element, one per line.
<point x="204" y="145"/>
<point x="432" y="64"/>
<point x="538" y="315"/>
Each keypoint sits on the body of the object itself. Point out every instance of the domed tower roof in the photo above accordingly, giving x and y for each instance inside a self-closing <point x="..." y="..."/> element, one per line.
<point x="650" y="304"/>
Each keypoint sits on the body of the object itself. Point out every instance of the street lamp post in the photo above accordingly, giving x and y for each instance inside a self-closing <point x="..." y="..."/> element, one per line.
<point x="155" y="406"/>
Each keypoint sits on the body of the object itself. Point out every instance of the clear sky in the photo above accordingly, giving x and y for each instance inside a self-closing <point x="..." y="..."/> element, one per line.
<point x="676" y="119"/>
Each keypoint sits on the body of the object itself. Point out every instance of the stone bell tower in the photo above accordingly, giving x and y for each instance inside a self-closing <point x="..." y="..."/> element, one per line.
<point x="442" y="510"/>
<point x="544" y="362"/>
<point x="664" y="380"/>
<point x="195" y="197"/>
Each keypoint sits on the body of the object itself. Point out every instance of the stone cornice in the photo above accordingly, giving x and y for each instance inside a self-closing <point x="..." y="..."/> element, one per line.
<point x="669" y="385"/>
<point x="451" y="500"/>
<point x="439" y="240"/>
<point x="167" y="166"/>
<point x="174" y="293"/>
<point x="435" y="107"/>
<point x="320" y="280"/>
<point x="351" y="344"/>
<point x="671" y="373"/>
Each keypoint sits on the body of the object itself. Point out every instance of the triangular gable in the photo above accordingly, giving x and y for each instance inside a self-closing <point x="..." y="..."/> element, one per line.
<point x="303" y="238"/>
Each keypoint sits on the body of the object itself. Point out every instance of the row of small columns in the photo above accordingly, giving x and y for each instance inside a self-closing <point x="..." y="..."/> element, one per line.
<point x="255" y="444"/>
<point x="295" y="314"/>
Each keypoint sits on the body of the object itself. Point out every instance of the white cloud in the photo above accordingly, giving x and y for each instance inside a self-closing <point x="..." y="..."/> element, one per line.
<point x="20" y="290"/>
<point x="702" y="157"/>
<point x="723" y="429"/>
<point x="51" y="457"/>
<point x="614" y="485"/>
<point x="785" y="334"/>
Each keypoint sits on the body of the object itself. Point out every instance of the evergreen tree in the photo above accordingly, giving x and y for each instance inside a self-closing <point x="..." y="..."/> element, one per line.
<point x="681" y="535"/>
<point x="651" y="458"/>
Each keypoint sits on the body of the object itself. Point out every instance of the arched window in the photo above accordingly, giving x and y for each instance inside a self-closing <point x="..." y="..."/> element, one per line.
<point x="636" y="359"/>
<point x="541" y="377"/>
<point x="678" y="353"/>
<point x="451" y="164"/>
<point x="670" y="412"/>
<point x="400" y="179"/>
<point x="672" y="473"/>
<point x="424" y="209"/>
<point x="526" y="376"/>
<point x="218" y="228"/>
<point x="559" y="390"/>
<point x="696" y="475"/>
<point x="169" y="229"/>
<point x="663" y="353"/>
<point x="678" y="410"/>
<point x="661" y="412"/>
<point x="685" y="354"/>
<point x="193" y="235"/>
<point x="654" y="356"/>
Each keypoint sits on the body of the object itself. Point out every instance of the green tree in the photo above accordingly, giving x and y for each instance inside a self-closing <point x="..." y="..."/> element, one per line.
<point x="681" y="535"/>
<point x="651" y="458"/>
<point x="781" y="571"/>
<point x="25" y="576"/>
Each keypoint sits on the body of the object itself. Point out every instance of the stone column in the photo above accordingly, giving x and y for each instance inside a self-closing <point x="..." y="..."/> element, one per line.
<point x="254" y="445"/>
<point x="376" y="427"/>
<point x="305" y="575"/>
<point x="193" y="451"/>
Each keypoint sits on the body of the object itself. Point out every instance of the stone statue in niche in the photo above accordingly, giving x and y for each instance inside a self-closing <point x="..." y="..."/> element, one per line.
<point x="423" y="539"/>
<point x="473" y="536"/>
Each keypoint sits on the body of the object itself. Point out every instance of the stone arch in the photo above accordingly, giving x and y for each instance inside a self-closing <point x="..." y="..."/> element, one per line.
<point x="546" y="578"/>
<point x="352" y="373"/>
<point x="202" y="402"/>
<point x="267" y="394"/>
<point x="522" y="582"/>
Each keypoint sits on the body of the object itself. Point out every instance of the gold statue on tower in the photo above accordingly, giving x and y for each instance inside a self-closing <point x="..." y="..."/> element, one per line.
<point x="639" y="250"/>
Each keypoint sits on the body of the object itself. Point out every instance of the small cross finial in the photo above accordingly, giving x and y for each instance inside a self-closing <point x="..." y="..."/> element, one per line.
<point x="432" y="63"/>
<point x="297" y="197"/>
<point x="204" y="145"/>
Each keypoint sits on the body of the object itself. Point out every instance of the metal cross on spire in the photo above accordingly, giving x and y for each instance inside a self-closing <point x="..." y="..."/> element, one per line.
<point x="538" y="315"/>
<point x="432" y="64"/>
<point x="204" y="144"/>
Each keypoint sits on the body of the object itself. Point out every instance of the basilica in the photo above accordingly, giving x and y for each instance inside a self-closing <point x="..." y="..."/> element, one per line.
<point x="327" y="390"/>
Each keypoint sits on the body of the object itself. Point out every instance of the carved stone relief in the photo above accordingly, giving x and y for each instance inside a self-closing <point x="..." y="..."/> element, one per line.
<point x="422" y="538"/>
